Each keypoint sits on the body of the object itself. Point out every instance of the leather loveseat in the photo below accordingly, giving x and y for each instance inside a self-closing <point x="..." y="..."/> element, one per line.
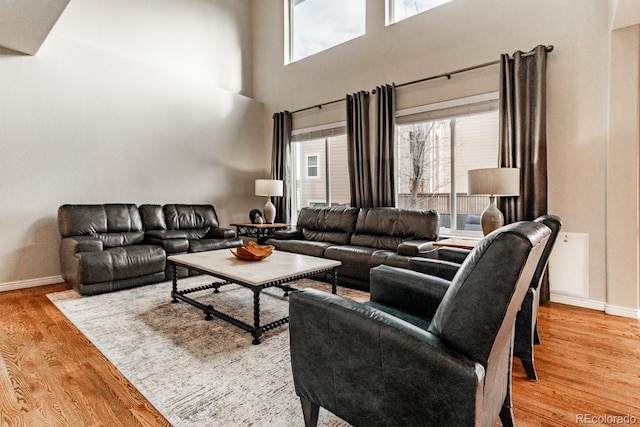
<point x="103" y="249"/>
<point x="117" y="246"/>
<point x="361" y="238"/>
<point x="185" y="228"/>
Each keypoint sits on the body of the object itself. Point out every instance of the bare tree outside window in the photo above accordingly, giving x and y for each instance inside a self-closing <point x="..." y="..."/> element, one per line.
<point x="424" y="153"/>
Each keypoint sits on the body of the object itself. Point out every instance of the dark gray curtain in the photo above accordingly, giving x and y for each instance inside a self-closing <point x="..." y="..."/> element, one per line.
<point x="523" y="135"/>
<point x="281" y="164"/>
<point x="358" y="148"/>
<point x="385" y="186"/>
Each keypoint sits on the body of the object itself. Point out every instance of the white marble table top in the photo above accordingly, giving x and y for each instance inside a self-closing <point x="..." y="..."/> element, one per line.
<point x="279" y="266"/>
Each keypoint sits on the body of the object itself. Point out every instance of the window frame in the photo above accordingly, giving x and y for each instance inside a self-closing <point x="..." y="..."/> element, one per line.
<point x="316" y="166"/>
<point x="475" y="105"/>
<point x="390" y="12"/>
<point x="289" y="27"/>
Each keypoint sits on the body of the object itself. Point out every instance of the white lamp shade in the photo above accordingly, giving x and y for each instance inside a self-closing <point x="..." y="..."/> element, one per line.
<point x="269" y="187"/>
<point x="494" y="181"/>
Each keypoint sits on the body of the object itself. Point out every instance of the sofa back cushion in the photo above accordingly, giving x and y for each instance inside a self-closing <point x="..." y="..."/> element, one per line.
<point x="152" y="217"/>
<point x="386" y="228"/>
<point x="332" y="224"/>
<point x="194" y="220"/>
<point x="114" y="224"/>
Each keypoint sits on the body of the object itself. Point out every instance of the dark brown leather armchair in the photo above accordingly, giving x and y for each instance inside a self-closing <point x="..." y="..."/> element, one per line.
<point x="526" y="336"/>
<point x="423" y="351"/>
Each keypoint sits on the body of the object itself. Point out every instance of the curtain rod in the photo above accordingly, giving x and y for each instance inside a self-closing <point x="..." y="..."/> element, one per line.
<point x="447" y="75"/>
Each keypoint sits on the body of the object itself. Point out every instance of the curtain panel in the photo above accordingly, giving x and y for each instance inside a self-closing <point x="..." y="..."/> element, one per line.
<point x="385" y="186"/>
<point x="358" y="149"/>
<point x="523" y="136"/>
<point x="281" y="164"/>
<point x="523" y="132"/>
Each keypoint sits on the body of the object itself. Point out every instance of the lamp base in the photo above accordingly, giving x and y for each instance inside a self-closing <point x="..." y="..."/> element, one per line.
<point x="269" y="211"/>
<point x="491" y="219"/>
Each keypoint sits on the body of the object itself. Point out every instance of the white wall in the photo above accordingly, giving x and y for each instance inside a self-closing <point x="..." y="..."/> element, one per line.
<point x="460" y="34"/>
<point x="126" y="102"/>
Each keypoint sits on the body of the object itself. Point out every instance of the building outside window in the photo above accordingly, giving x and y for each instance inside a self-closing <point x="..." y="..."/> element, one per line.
<point x="435" y="149"/>
<point x="397" y="10"/>
<point x="320" y="168"/>
<point x="317" y="25"/>
<point x="312" y="166"/>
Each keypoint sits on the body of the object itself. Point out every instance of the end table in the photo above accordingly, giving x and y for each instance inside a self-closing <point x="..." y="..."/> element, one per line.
<point x="261" y="232"/>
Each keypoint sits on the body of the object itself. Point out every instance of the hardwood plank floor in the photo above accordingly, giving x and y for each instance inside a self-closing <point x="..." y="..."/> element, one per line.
<point x="50" y="375"/>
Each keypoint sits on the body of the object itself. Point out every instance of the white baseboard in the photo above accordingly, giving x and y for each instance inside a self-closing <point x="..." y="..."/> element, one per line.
<point x="30" y="283"/>
<point x="596" y="305"/>
<point x="622" y="311"/>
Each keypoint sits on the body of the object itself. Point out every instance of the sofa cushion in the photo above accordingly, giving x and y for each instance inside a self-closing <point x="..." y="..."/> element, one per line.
<point x="114" y="240"/>
<point x="304" y="247"/>
<point x="152" y="217"/>
<point x="185" y="217"/>
<point x="355" y="260"/>
<point x="114" y="224"/>
<point x="120" y="263"/>
<point x="334" y="224"/>
<point x="386" y="228"/>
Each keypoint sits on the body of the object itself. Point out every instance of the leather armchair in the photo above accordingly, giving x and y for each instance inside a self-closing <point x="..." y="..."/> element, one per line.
<point x="526" y="336"/>
<point x="423" y="351"/>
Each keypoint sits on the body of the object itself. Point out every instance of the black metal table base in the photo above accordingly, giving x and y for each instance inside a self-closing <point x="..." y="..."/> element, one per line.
<point x="256" y="330"/>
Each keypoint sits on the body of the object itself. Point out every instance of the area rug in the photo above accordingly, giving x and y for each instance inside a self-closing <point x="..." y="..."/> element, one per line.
<point x="197" y="372"/>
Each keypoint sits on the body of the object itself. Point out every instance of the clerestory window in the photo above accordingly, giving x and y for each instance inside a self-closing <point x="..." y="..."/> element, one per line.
<point x="317" y="25"/>
<point x="397" y="10"/>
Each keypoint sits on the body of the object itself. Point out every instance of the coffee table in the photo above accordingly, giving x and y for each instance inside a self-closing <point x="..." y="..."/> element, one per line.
<point x="274" y="271"/>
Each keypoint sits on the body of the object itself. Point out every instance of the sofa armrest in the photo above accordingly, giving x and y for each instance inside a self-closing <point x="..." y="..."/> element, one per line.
<point x="415" y="247"/>
<point x="288" y="234"/>
<point x="434" y="267"/>
<point x="221" y="233"/>
<point x="407" y="290"/>
<point x="75" y="244"/>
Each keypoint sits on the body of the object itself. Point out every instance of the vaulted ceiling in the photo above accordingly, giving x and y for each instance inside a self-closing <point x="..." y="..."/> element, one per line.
<point x="25" y="24"/>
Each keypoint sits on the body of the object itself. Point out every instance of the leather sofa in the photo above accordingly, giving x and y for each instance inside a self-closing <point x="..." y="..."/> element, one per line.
<point x="361" y="238"/>
<point x="185" y="228"/>
<point x="112" y="246"/>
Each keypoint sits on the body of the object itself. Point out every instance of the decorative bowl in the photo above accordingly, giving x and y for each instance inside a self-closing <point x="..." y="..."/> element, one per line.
<point x="252" y="251"/>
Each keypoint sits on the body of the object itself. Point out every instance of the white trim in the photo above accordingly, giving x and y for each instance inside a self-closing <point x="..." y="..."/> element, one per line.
<point x="622" y="311"/>
<point x="319" y="128"/>
<point x="577" y="301"/>
<point x="490" y="96"/>
<point x="612" y="310"/>
<point x="30" y="283"/>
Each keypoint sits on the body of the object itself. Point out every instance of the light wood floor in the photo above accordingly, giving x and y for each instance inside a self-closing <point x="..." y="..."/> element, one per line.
<point x="51" y="375"/>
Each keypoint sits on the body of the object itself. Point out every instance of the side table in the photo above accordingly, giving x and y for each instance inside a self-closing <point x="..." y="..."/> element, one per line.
<point x="457" y="242"/>
<point x="261" y="232"/>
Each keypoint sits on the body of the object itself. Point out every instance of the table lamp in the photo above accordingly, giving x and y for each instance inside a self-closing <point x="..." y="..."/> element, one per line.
<point x="268" y="188"/>
<point x="493" y="182"/>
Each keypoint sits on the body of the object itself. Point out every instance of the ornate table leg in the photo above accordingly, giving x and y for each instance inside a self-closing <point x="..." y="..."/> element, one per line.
<point x="174" y="291"/>
<point x="334" y="282"/>
<point x="257" y="330"/>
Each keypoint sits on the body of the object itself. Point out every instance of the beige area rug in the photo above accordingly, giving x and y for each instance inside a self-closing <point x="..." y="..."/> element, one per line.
<point x="197" y="372"/>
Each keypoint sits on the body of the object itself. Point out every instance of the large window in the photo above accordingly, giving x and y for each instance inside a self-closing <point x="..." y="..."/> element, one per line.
<point x="397" y="10"/>
<point x="320" y="169"/>
<point x="436" y="147"/>
<point x="317" y="25"/>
